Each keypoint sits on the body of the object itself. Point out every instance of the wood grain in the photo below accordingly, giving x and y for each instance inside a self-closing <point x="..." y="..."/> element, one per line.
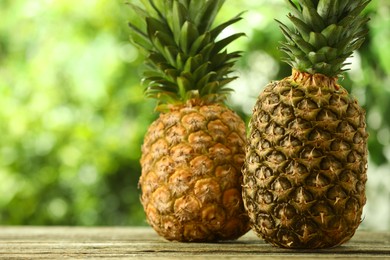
<point x="143" y="243"/>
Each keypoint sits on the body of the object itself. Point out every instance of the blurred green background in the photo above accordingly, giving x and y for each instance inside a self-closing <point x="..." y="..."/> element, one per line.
<point x="73" y="114"/>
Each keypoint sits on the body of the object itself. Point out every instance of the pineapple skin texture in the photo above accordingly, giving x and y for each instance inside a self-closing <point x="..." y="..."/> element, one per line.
<point x="306" y="162"/>
<point x="191" y="177"/>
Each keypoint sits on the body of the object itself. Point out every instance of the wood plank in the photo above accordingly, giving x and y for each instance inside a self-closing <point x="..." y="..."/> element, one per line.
<point x="143" y="243"/>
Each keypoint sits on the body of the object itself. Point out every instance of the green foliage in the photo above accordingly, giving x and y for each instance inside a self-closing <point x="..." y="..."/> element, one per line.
<point x="326" y="33"/>
<point x="185" y="58"/>
<point x="73" y="113"/>
<point x="72" y="117"/>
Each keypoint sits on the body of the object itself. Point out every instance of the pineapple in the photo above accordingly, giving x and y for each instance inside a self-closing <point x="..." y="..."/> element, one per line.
<point x="306" y="160"/>
<point x="192" y="154"/>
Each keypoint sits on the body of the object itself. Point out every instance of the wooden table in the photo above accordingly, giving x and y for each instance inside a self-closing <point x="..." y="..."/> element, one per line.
<point x="143" y="243"/>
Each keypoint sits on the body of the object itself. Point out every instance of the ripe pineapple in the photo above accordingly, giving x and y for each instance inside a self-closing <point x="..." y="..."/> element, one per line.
<point x="193" y="153"/>
<point x="306" y="158"/>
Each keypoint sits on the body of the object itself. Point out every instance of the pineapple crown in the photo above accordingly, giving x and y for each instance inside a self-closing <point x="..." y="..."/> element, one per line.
<point x="184" y="58"/>
<point x="326" y="34"/>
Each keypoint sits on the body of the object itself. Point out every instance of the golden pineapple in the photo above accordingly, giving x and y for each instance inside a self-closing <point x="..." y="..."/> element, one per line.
<point x="306" y="158"/>
<point x="193" y="153"/>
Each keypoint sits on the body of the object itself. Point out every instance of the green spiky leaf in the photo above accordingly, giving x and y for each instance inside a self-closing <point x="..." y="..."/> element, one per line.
<point x="189" y="33"/>
<point x="200" y="43"/>
<point x="317" y="40"/>
<point x="326" y="33"/>
<point x="184" y="53"/>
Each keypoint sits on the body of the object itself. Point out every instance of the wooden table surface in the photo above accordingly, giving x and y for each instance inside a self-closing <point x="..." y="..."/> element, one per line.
<point x="28" y="242"/>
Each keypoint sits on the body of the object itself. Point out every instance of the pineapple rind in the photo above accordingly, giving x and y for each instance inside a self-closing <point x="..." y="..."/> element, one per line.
<point x="191" y="179"/>
<point x="306" y="163"/>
